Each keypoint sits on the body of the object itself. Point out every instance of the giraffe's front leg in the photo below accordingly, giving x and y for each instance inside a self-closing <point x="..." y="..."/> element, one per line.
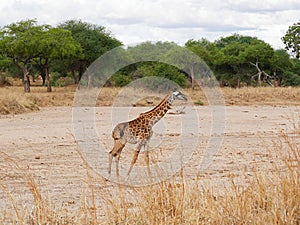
<point x="109" y="162"/>
<point x="147" y="153"/>
<point x="147" y="160"/>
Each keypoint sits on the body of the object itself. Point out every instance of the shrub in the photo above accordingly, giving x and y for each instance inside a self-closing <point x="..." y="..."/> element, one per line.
<point x="120" y="80"/>
<point x="3" y="80"/>
<point x="291" y="79"/>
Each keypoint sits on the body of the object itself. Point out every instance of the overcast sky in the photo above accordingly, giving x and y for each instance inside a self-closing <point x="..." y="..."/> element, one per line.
<point x="134" y="21"/>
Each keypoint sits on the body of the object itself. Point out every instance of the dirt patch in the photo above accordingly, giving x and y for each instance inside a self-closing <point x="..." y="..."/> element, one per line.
<point x="43" y="144"/>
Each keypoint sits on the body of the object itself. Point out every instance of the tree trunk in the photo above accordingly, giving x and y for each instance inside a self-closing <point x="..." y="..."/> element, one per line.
<point x="259" y="73"/>
<point x="26" y="83"/>
<point x="49" y="88"/>
<point x="74" y="76"/>
<point x="259" y="78"/>
<point x="44" y="79"/>
<point x="26" y="80"/>
<point x="239" y="81"/>
<point x="80" y="72"/>
<point x="43" y="75"/>
<point x="89" y="75"/>
<point x="192" y="77"/>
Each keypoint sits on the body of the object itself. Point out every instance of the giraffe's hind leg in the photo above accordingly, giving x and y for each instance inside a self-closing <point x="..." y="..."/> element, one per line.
<point x="109" y="162"/>
<point x="117" y="164"/>
<point x="115" y="152"/>
<point x="135" y="156"/>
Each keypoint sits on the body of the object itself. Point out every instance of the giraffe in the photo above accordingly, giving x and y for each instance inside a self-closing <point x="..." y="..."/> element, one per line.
<point x="139" y="131"/>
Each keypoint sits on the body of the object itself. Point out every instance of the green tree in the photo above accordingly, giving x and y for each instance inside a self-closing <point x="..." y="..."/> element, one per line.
<point x="149" y="59"/>
<point x="55" y="43"/>
<point x="281" y="63"/>
<point x="296" y="66"/>
<point x="292" y="39"/>
<point x="148" y="69"/>
<point x="243" y="56"/>
<point x="186" y="61"/>
<point x="150" y="51"/>
<point x="206" y="50"/>
<point x="19" y="42"/>
<point x="291" y="77"/>
<point x="5" y="62"/>
<point x="94" y="41"/>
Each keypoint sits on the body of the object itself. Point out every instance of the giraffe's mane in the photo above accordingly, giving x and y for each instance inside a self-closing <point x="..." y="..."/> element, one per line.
<point x="162" y="102"/>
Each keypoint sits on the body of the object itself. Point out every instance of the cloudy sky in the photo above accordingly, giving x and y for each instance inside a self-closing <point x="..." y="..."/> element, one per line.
<point x="134" y="21"/>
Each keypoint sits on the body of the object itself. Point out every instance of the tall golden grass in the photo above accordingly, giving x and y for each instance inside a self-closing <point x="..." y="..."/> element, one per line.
<point x="270" y="197"/>
<point x="14" y="101"/>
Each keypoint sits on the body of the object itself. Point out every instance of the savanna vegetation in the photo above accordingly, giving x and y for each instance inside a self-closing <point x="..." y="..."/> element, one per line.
<point x="51" y="57"/>
<point x="61" y="54"/>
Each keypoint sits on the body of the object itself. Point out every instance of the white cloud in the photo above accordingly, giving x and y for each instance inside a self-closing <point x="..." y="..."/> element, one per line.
<point x="134" y="21"/>
<point x="263" y="6"/>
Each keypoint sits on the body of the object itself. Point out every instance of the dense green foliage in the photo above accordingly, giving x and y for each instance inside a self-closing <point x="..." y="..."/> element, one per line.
<point x="70" y="48"/>
<point x="94" y="41"/>
<point x="243" y="60"/>
<point x="19" y="42"/>
<point x="147" y="70"/>
<point x="292" y="39"/>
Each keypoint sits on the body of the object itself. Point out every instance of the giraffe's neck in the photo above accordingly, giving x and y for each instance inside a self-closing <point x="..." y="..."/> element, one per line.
<point x="155" y="114"/>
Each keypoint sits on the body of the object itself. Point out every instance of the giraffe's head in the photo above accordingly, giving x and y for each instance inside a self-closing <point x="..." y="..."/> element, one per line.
<point x="177" y="95"/>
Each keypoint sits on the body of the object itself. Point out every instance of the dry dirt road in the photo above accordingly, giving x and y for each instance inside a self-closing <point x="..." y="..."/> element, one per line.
<point x="44" y="144"/>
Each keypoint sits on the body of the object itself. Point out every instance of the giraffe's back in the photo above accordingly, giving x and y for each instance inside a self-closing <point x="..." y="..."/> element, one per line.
<point x="140" y="127"/>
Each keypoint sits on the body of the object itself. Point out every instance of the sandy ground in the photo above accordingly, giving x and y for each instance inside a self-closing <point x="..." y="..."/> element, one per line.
<point x="45" y="145"/>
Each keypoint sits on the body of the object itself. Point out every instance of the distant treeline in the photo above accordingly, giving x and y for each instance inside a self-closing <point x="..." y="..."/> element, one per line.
<point x="67" y="50"/>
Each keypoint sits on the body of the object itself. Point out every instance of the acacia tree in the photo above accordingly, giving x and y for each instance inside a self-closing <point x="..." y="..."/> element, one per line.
<point x="206" y="50"/>
<point x="56" y="43"/>
<point x="19" y="42"/>
<point x="241" y="53"/>
<point x="94" y="41"/>
<point x="281" y="63"/>
<point x="184" y="60"/>
<point x="292" y="39"/>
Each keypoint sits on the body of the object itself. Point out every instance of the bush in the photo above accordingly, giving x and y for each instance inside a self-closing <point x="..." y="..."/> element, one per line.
<point x="57" y="80"/>
<point x="120" y="80"/>
<point x="147" y="69"/>
<point x="163" y="70"/>
<point x="3" y="80"/>
<point x="291" y="79"/>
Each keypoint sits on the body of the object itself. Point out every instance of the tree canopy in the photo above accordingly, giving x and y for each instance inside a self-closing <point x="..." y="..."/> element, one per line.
<point x="239" y="60"/>
<point x="292" y="39"/>
<point x="71" y="47"/>
<point x="19" y="41"/>
<point x="94" y="41"/>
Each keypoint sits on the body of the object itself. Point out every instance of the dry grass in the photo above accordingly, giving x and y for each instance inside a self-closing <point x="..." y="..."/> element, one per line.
<point x="270" y="197"/>
<point x="262" y="96"/>
<point x="14" y="101"/>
